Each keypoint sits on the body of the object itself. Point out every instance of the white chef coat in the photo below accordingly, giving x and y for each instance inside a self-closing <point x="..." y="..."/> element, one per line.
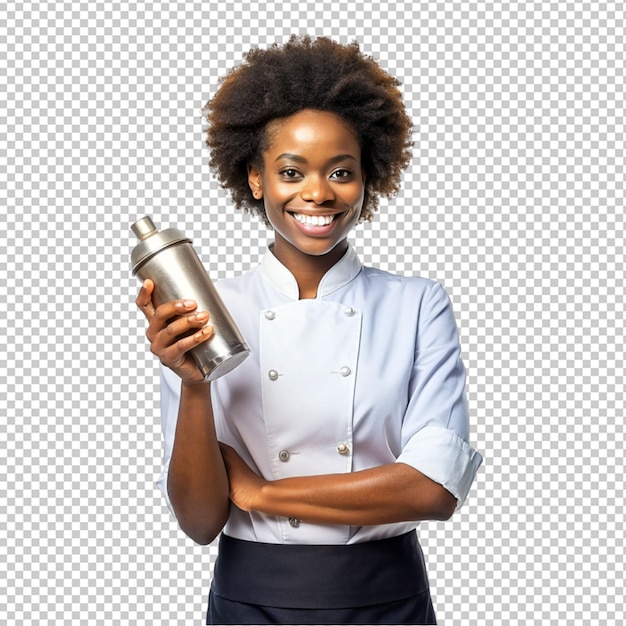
<point x="367" y="373"/>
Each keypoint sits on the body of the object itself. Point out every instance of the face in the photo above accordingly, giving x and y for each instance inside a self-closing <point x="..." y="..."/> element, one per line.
<point x="312" y="184"/>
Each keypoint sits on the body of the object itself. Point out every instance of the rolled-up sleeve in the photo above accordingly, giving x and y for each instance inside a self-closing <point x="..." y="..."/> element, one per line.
<point x="435" y="432"/>
<point x="170" y="401"/>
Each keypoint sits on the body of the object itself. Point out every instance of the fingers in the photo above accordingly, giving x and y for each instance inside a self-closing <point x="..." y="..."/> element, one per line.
<point x="159" y="316"/>
<point x="172" y="333"/>
<point x="174" y="355"/>
<point x="165" y="311"/>
<point x="174" y="328"/>
<point x="184" y="325"/>
<point x="144" y="298"/>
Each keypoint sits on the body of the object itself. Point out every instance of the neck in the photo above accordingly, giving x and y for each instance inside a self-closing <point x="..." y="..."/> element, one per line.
<point x="308" y="270"/>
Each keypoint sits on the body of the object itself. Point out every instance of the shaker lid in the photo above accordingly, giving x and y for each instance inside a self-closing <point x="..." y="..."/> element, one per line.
<point x="152" y="241"/>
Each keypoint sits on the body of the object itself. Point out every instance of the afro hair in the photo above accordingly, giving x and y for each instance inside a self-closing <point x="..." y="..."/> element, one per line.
<point x="307" y="73"/>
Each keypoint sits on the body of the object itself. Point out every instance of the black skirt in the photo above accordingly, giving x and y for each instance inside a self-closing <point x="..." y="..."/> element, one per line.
<point x="377" y="582"/>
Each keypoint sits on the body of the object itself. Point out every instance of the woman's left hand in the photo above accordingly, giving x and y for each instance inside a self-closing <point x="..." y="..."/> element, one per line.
<point x="245" y="485"/>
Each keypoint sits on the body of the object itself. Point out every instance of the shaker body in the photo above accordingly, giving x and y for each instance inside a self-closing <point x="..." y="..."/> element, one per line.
<point x="178" y="274"/>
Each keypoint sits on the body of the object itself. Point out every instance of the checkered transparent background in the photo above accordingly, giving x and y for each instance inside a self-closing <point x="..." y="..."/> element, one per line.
<point x="514" y="201"/>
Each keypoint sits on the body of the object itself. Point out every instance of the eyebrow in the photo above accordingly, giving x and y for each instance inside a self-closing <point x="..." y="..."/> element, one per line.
<point x="301" y="159"/>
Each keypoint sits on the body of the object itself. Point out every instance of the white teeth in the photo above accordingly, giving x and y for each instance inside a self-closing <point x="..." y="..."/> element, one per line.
<point x="314" y="220"/>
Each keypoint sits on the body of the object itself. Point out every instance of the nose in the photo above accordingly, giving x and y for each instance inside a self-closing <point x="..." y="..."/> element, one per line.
<point x="317" y="189"/>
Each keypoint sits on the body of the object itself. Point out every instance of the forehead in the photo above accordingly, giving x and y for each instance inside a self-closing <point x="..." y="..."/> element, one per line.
<point x="311" y="130"/>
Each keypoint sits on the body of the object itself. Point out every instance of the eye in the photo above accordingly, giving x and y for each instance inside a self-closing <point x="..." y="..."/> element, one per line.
<point x="341" y="174"/>
<point x="290" y="173"/>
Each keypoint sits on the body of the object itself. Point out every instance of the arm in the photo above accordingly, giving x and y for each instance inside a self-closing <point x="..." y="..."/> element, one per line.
<point x="382" y="495"/>
<point x="436" y="465"/>
<point x="197" y="484"/>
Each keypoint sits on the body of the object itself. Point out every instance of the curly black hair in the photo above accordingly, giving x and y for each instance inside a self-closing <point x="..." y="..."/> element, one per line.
<point x="303" y="74"/>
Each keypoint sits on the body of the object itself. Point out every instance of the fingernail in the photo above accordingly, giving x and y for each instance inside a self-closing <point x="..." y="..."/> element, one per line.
<point x="203" y="315"/>
<point x="188" y="304"/>
<point x="205" y="331"/>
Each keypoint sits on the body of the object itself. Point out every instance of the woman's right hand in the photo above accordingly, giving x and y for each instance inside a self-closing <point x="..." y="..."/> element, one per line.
<point x="169" y="328"/>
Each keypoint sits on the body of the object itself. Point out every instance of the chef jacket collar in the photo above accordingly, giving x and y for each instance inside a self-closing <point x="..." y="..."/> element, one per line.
<point x="336" y="277"/>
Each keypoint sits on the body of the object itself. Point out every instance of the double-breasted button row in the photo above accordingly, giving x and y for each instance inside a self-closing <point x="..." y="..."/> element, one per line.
<point x="348" y="311"/>
<point x="344" y="371"/>
<point x="342" y="448"/>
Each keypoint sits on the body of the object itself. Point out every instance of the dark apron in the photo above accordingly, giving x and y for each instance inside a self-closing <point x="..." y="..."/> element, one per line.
<point x="377" y="582"/>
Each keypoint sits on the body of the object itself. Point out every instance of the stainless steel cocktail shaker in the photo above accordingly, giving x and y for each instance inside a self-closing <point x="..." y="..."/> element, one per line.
<point x="169" y="260"/>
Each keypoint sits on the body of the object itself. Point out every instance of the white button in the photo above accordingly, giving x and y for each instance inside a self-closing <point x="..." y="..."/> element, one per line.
<point x="270" y="315"/>
<point x="345" y="371"/>
<point x="283" y="455"/>
<point x="349" y="311"/>
<point x="273" y="375"/>
<point x="294" y="522"/>
<point x="343" y="448"/>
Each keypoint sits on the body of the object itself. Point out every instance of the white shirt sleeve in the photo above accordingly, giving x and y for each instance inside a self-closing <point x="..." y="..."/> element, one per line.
<point x="170" y="401"/>
<point x="435" y="430"/>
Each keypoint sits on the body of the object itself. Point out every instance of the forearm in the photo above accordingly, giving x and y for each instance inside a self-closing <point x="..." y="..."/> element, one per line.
<point x="382" y="495"/>
<point x="197" y="481"/>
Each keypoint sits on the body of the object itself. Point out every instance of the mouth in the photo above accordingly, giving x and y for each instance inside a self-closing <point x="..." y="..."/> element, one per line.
<point x="313" y="220"/>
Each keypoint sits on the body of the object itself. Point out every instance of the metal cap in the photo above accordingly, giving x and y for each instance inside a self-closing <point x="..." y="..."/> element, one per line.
<point x="144" y="227"/>
<point x="152" y="241"/>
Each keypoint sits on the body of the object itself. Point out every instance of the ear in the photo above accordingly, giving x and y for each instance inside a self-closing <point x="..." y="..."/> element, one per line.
<point x="255" y="180"/>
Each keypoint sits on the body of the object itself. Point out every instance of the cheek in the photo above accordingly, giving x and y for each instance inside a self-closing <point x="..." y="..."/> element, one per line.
<point x="276" y="193"/>
<point x="359" y="196"/>
<point x="274" y="215"/>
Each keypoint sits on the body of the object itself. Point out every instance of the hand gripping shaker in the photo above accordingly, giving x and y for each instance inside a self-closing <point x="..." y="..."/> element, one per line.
<point x="169" y="260"/>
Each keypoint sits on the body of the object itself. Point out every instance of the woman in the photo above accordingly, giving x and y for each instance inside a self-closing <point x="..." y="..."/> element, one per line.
<point x="347" y="425"/>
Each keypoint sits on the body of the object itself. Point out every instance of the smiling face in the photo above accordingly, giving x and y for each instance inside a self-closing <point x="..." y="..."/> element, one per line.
<point x="312" y="185"/>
